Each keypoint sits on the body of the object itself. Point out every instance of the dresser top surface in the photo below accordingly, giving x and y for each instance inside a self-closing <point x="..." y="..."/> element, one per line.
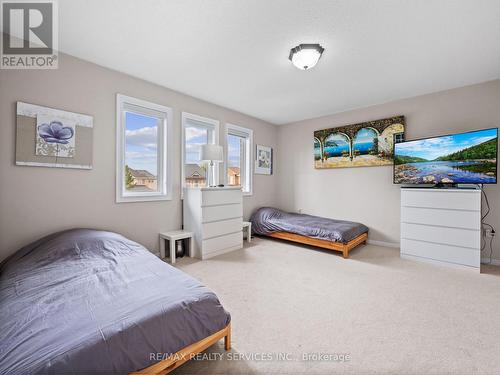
<point x="431" y="190"/>
<point x="214" y="188"/>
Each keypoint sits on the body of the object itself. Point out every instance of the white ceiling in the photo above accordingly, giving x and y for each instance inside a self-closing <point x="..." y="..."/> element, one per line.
<point x="235" y="52"/>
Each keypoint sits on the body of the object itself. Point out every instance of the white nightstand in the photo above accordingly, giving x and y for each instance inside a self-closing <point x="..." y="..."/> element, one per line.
<point x="172" y="237"/>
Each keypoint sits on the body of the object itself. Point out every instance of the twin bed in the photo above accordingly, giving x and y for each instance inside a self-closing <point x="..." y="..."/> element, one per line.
<point x="338" y="235"/>
<point x="93" y="302"/>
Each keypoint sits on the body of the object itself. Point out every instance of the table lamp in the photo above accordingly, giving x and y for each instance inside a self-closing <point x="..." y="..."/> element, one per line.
<point x="211" y="153"/>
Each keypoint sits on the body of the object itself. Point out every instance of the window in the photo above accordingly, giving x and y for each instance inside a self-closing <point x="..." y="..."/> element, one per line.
<point x="143" y="170"/>
<point x="196" y="131"/>
<point x="239" y="143"/>
<point x="399" y="137"/>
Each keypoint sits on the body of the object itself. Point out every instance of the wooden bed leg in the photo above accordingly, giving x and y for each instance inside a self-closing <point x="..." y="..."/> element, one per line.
<point x="227" y="338"/>
<point x="345" y="252"/>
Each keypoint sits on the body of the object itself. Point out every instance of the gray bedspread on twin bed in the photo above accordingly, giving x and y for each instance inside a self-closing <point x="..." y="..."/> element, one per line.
<point x="267" y="220"/>
<point x="93" y="302"/>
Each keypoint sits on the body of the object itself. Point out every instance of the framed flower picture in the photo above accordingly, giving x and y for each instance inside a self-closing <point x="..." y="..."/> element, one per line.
<point x="264" y="160"/>
<point x="48" y="137"/>
<point x="55" y="136"/>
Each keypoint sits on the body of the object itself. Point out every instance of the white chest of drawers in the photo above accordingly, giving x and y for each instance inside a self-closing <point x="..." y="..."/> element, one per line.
<point x="441" y="225"/>
<point x="215" y="216"/>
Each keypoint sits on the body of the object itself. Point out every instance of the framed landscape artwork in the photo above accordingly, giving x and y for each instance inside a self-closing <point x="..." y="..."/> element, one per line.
<point x="264" y="160"/>
<point x="47" y="137"/>
<point x="365" y="144"/>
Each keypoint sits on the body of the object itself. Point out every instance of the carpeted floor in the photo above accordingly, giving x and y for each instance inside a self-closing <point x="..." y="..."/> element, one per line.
<point x="377" y="312"/>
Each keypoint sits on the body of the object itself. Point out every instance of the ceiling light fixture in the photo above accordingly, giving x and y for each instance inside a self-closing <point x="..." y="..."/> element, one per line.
<point x="305" y="56"/>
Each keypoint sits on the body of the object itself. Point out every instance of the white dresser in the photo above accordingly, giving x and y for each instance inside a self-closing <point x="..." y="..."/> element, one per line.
<point x="215" y="216"/>
<point x="441" y="225"/>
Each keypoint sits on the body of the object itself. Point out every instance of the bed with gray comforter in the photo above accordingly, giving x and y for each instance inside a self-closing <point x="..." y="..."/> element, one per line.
<point x="267" y="220"/>
<point x="93" y="302"/>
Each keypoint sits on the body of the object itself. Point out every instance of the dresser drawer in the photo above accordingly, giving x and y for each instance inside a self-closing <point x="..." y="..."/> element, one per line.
<point x="441" y="235"/>
<point x="220" y="243"/>
<point x="448" y="218"/>
<point x="223" y="196"/>
<point x="219" y="228"/>
<point x="443" y="253"/>
<point x="451" y="199"/>
<point x="224" y="212"/>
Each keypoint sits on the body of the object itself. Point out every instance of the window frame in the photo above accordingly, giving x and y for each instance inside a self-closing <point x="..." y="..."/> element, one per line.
<point x="207" y="122"/>
<point x="164" y="149"/>
<point x="232" y="129"/>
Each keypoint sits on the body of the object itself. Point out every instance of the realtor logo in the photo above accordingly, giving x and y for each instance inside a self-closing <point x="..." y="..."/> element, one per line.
<point x="29" y="35"/>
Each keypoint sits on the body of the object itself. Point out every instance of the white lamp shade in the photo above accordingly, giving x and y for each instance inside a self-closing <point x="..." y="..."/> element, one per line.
<point x="211" y="152"/>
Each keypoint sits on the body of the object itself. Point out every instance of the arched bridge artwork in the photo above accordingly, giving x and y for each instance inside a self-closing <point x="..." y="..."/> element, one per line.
<point x="359" y="145"/>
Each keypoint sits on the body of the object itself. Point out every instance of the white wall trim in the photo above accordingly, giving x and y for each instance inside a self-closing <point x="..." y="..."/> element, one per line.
<point x="383" y="243"/>
<point x="210" y="124"/>
<point x="165" y="150"/>
<point x="249" y="154"/>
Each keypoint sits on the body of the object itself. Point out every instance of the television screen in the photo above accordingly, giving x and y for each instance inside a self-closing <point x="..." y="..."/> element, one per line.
<point x="466" y="158"/>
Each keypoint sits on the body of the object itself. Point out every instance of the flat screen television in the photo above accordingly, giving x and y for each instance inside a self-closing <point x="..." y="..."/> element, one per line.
<point x="465" y="158"/>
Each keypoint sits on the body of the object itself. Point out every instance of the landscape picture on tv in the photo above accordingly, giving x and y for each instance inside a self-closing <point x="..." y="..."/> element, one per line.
<point x="466" y="158"/>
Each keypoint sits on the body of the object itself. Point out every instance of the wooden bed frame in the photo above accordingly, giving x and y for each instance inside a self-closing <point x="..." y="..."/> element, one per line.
<point x="344" y="248"/>
<point x="184" y="355"/>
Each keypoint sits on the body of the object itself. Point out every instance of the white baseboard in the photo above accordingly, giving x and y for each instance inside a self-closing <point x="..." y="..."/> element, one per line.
<point x="494" y="262"/>
<point x="383" y="243"/>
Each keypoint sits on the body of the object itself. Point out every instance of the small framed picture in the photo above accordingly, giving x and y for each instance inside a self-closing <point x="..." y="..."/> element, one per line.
<point x="264" y="160"/>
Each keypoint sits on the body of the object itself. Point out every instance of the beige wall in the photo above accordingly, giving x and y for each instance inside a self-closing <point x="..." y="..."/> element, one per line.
<point x="36" y="201"/>
<point x="367" y="194"/>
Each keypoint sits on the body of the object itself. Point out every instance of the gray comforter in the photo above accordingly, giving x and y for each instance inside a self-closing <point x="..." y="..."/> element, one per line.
<point x="267" y="220"/>
<point x="93" y="302"/>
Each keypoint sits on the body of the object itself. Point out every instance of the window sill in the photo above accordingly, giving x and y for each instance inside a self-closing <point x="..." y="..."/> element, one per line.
<point x="150" y="198"/>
